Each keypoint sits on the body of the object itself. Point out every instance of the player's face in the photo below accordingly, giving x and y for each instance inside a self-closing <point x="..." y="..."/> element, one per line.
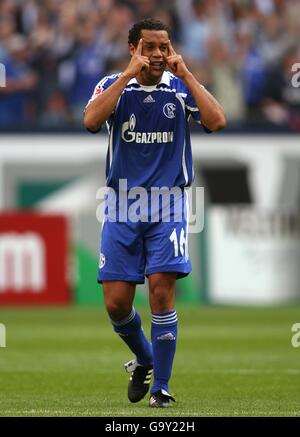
<point x="155" y="47"/>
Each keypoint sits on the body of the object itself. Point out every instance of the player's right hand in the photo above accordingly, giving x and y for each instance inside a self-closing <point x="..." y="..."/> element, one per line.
<point x="137" y="62"/>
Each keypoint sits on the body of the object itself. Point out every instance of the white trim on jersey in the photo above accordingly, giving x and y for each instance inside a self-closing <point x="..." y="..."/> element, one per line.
<point x="185" y="173"/>
<point x="111" y="145"/>
<point x="192" y="108"/>
<point x="106" y="78"/>
<point x="150" y="90"/>
<point x="197" y="121"/>
<point x="110" y="130"/>
<point x="187" y="224"/>
<point x="183" y="161"/>
<point x="164" y="79"/>
<point x="153" y="89"/>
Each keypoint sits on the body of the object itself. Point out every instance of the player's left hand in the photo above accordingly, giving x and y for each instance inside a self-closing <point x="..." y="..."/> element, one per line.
<point x="176" y="63"/>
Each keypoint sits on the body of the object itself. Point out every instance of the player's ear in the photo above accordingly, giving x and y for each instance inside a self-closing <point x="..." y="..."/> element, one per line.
<point x="132" y="49"/>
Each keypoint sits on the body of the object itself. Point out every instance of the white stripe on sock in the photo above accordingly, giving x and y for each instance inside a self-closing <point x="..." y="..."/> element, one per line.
<point x="164" y="316"/>
<point x="165" y="323"/>
<point x="164" y="319"/>
<point x="126" y="320"/>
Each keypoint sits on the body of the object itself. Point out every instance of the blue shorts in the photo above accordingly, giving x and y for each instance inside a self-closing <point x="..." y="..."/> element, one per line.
<point x="129" y="250"/>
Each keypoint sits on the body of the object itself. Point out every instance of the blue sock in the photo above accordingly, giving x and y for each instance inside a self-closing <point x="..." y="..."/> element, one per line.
<point x="131" y="331"/>
<point x="163" y="336"/>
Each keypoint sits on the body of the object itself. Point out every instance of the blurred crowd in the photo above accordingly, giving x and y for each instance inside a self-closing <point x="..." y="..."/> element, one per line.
<point x="55" y="52"/>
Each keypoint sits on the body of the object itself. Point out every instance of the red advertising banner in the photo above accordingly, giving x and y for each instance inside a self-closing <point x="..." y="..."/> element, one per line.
<point x="34" y="259"/>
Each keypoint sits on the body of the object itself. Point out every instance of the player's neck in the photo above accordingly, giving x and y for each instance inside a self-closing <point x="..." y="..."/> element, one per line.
<point x="146" y="80"/>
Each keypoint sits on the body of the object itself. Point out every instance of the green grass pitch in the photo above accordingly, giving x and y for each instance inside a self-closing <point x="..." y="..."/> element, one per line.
<point x="229" y="362"/>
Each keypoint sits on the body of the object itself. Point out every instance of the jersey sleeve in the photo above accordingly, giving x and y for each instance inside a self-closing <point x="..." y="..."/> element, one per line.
<point x="102" y="86"/>
<point x="193" y="110"/>
<point x="99" y="89"/>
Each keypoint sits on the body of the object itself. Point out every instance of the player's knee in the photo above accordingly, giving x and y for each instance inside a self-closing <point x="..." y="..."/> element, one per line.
<point x="118" y="310"/>
<point x="161" y="295"/>
<point x="160" y="302"/>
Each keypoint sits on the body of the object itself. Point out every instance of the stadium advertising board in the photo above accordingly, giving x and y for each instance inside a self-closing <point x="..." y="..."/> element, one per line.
<point x="33" y="259"/>
<point x="253" y="255"/>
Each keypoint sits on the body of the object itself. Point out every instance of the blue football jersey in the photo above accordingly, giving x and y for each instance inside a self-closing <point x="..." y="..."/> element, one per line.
<point x="149" y="137"/>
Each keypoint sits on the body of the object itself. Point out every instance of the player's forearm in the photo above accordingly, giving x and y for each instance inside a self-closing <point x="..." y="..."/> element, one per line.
<point x="100" y="109"/>
<point x="212" y="113"/>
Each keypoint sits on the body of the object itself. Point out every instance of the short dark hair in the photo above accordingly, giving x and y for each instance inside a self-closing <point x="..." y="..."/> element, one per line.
<point x="135" y="32"/>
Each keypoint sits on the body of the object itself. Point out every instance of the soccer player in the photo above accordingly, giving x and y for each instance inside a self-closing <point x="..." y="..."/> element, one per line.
<point x="146" y="109"/>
